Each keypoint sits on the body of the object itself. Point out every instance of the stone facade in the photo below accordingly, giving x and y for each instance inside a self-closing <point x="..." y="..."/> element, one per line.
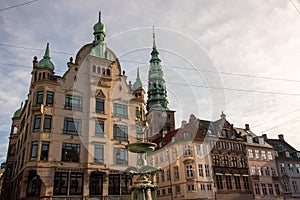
<point x="68" y="140"/>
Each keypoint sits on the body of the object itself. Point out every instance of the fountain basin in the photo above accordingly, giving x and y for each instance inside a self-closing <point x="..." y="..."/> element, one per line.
<point x="141" y="147"/>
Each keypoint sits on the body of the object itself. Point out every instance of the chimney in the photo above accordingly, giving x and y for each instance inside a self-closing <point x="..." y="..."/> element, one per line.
<point x="280" y="136"/>
<point x="265" y="137"/>
<point x="247" y="127"/>
<point x="183" y="123"/>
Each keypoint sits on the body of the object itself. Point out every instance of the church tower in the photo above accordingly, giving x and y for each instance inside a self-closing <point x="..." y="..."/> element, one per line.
<point x="160" y="117"/>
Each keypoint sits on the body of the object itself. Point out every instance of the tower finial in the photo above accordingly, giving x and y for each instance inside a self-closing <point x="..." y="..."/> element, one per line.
<point x="47" y="54"/>
<point x="100" y="16"/>
<point x="154" y="45"/>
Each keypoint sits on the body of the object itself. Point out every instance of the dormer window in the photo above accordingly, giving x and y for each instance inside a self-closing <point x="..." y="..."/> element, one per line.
<point x="225" y="133"/>
<point x="173" y="139"/>
<point x="287" y="154"/>
<point x="276" y="153"/>
<point x="298" y="154"/>
<point x="261" y="140"/>
<point x="249" y="139"/>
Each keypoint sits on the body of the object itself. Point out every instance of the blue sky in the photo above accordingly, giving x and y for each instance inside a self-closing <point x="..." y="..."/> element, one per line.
<point x="238" y="56"/>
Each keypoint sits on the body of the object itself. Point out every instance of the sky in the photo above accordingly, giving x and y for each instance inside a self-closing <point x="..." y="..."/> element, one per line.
<point x="240" y="57"/>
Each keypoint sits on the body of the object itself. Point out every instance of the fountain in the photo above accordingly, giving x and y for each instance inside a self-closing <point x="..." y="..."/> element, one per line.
<point x="142" y="188"/>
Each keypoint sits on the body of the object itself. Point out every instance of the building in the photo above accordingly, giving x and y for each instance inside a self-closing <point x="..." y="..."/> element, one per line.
<point x="62" y="135"/>
<point x="288" y="164"/>
<point x="262" y="166"/>
<point x="2" y="171"/>
<point x="184" y="160"/>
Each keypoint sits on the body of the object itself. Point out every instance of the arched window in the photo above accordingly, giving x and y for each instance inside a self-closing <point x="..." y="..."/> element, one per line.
<point x="33" y="184"/>
<point x="108" y="72"/>
<point x="94" y="69"/>
<point x="98" y="70"/>
<point x="15" y="130"/>
<point x="103" y="71"/>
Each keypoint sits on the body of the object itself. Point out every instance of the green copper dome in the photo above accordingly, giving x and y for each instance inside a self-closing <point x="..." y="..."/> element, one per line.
<point x="46" y="62"/>
<point x="19" y="111"/>
<point x="138" y="85"/>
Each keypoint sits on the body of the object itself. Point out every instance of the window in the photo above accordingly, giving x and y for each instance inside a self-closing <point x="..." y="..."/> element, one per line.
<point x="287" y="154"/>
<point x="190" y="187"/>
<point x="99" y="105"/>
<point x="99" y="128"/>
<point x="290" y="167"/>
<point x="233" y="162"/>
<point x="187" y="135"/>
<point x="47" y="123"/>
<point x="94" y="68"/>
<point x="49" y="98"/>
<point x="219" y="181"/>
<point x="295" y="187"/>
<point x="231" y="146"/>
<point x="263" y="155"/>
<point x="98" y="153"/>
<point x="216" y="160"/>
<point x="120" y="110"/>
<point x="176" y="173"/>
<point x="157" y="178"/>
<point x="281" y="167"/>
<point x="177" y="188"/>
<point x="169" y="190"/>
<point x="225" y="133"/>
<point x="264" y="188"/>
<point x="202" y="186"/>
<point x="34" y="150"/>
<point x="228" y="182"/>
<point x="37" y="123"/>
<point x="267" y="171"/>
<point x="256" y="188"/>
<point x="225" y="161"/>
<point x="200" y="169"/>
<point x="277" y="189"/>
<point x="72" y="126"/>
<point x="256" y="154"/>
<point x="253" y="170"/>
<point x="163" y="176"/>
<point x="161" y="157"/>
<point x="276" y="153"/>
<point x="273" y="171"/>
<point x="96" y="184"/>
<point x="61" y="180"/>
<point x="73" y="103"/>
<point x="242" y="162"/>
<point x="223" y="144"/>
<point x="40" y="97"/>
<point x="120" y="156"/>
<point x="286" y="185"/>
<point x="163" y="191"/>
<point x="270" y="156"/>
<point x="260" y="171"/>
<point x="207" y="171"/>
<point x="246" y="182"/>
<point x="187" y="150"/>
<point x="208" y="187"/>
<point x="70" y="152"/>
<point x="189" y="171"/>
<point x="45" y="151"/>
<point x="62" y="184"/>
<point x="175" y="155"/>
<point x="198" y="150"/>
<point x="120" y="132"/>
<point x="270" y="187"/>
<point x="76" y="183"/>
<point x="168" y="175"/>
<point x="297" y="168"/>
<point x="237" y="182"/>
<point x="33" y="184"/>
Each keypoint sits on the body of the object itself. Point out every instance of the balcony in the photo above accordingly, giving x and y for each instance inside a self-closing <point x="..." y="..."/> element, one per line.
<point x="188" y="158"/>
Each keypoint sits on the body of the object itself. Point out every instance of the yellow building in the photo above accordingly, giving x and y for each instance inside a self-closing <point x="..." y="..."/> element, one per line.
<point x="68" y="140"/>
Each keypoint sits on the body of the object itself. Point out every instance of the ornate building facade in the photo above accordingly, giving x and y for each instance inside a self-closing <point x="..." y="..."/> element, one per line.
<point x="68" y="140"/>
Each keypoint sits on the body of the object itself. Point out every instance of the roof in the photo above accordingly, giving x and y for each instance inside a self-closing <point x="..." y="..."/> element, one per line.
<point x="281" y="146"/>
